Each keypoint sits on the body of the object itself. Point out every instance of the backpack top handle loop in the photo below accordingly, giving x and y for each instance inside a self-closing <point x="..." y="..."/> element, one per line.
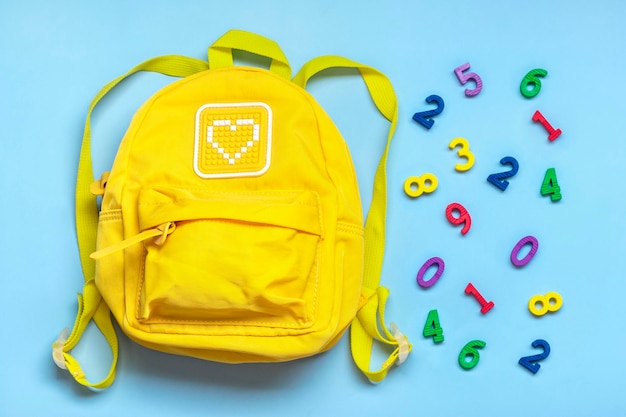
<point x="221" y="52"/>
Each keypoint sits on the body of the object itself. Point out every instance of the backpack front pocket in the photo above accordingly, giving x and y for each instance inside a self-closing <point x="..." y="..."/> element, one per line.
<point x="234" y="258"/>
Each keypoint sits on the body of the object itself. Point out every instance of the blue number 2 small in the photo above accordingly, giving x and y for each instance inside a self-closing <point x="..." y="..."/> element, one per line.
<point x="528" y="362"/>
<point x="498" y="179"/>
<point x="424" y="117"/>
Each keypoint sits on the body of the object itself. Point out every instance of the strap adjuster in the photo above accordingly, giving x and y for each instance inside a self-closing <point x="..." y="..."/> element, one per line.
<point x="403" y="344"/>
<point x="57" y="348"/>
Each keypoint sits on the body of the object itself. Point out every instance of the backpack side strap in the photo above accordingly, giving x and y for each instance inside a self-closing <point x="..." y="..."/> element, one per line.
<point x="91" y="306"/>
<point x="370" y="321"/>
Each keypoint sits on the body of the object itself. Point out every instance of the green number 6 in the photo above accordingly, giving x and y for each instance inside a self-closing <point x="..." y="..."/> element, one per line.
<point x="469" y="356"/>
<point x="531" y="84"/>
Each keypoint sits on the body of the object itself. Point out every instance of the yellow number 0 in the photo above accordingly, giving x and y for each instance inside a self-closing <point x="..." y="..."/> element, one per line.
<point x="415" y="186"/>
<point x="464" y="152"/>
<point x="551" y="302"/>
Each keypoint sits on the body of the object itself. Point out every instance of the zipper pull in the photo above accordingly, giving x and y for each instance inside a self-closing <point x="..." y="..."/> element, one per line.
<point x="159" y="233"/>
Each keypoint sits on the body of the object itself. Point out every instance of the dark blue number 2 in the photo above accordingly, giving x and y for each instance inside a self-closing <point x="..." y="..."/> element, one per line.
<point x="528" y="362"/>
<point x="423" y="117"/>
<point x="499" y="179"/>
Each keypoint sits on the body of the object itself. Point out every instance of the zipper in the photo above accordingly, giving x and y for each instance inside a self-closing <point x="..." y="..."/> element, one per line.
<point x="159" y="233"/>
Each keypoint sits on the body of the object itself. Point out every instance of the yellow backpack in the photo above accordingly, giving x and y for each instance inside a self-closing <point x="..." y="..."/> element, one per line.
<point x="230" y="226"/>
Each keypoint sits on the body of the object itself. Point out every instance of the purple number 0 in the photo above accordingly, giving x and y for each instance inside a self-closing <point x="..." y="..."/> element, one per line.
<point x="533" y="249"/>
<point x="420" y="274"/>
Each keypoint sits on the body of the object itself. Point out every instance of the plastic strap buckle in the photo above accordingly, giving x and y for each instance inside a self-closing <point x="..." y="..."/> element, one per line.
<point x="403" y="344"/>
<point x="57" y="348"/>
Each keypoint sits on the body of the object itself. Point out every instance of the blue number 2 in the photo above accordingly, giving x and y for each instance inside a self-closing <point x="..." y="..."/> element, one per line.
<point x="498" y="179"/>
<point x="528" y="362"/>
<point x="423" y="117"/>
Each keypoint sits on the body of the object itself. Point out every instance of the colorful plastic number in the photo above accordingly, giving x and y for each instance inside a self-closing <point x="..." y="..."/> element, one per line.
<point x="499" y="179"/>
<point x="415" y="186"/>
<point x="530" y="362"/>
<point x="432" y="327"/>
<point x="424" y="117"/>
<point x="470" y="351"/>
<point x="440" y="268"/>
<point x="550" y="302"/>
<point x="464" y="152"/>
<point x="552" y="132"/>
<point x="516" y="249"/>
<point x="484" y="304"/>
<point x="550" y="185"/>
<point x="464" y="217"/>
<point x="531" y="84"/>
<point x="465" y="77"/>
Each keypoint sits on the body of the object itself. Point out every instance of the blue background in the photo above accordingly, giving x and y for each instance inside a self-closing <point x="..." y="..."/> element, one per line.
<point x="54" y="56"/>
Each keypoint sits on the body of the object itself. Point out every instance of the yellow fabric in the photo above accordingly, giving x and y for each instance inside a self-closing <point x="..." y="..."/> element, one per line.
<point x="272" y="261"/>
<point x="86" y="208"/>
<point x="90" y="305"/>
<point x="208" y="245"/>
<point x="370" y="318"/>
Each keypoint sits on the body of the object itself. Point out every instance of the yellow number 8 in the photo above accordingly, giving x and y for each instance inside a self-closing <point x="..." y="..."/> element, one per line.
<point x="415" y="186"/>
<point x="549" y="302"/>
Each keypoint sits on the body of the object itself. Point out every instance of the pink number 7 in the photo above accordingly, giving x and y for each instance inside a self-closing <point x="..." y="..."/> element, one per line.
<point x="464" y="78"/>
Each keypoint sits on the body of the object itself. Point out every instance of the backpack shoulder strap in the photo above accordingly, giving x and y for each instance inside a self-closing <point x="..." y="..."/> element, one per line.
<point x="90" y="303"/>
<point x="370" y="320"/>
<point x="91" y="306"/>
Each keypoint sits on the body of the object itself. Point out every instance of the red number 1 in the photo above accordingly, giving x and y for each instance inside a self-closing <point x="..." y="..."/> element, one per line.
<point x="552" y="132"/>
<point x="486" y="305"/>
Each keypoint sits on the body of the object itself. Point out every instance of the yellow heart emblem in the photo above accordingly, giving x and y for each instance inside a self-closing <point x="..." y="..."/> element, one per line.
<point x="232" y="140"/>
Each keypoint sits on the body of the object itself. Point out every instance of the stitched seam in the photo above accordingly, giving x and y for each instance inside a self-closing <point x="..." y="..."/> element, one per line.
<point x="317" y="279"/>
<point x="350" y="228"/>
<point x="110" y="216"/>
<point x="242" y="196"/>
<point x="179" y="200"/>
<point x="142" y="279"/>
